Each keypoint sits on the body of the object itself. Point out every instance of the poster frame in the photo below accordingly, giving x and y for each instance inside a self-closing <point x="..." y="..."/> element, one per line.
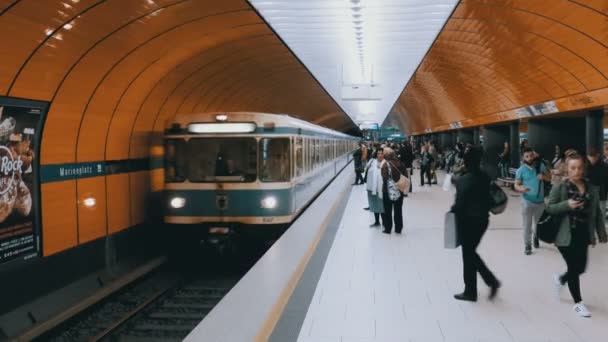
<point x="36" y="188"/>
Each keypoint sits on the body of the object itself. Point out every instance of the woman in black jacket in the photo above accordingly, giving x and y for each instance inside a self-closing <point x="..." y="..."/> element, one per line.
<point x="471" y="208"/>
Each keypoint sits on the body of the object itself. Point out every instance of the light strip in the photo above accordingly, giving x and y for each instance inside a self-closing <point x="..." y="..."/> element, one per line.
<point x="359" y="43"/>
<point x="221" y="127"/>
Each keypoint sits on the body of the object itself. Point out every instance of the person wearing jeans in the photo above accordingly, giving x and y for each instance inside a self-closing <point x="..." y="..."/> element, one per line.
<point x="529" y="181"/>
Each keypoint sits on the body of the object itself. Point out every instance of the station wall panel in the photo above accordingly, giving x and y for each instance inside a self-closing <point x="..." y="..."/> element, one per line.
<point x="59" y="225"/>
<point x="92" y="223"/>
<point x="139" y="183"/>
<point x="119" y="211"/>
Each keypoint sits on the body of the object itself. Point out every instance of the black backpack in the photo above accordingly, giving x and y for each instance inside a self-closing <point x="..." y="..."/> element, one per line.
<point x="498" y="199"/>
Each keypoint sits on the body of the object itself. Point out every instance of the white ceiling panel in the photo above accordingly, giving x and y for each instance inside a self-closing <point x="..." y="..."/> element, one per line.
<point x="362" y="51"/>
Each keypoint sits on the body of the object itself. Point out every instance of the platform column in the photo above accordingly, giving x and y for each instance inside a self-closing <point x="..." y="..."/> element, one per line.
<point x="110" y="254"/>
<point x="594" y="130"/>
<point x="476" y="132"/>
<point x="568" y="132"/>
<point x="514" y="143"/>
<point x="466" y="136"/>
<point x="494" y="139"/>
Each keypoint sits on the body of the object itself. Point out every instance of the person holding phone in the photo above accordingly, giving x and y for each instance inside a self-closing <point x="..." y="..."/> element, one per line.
<point x="576" y="202"/>
<point x="529" y="182"/>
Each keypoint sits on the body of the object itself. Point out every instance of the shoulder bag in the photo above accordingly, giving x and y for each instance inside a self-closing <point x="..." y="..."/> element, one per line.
<point x="394" y="193"/>
<point x="547" y="227"/>
<point x="498" y="199"/>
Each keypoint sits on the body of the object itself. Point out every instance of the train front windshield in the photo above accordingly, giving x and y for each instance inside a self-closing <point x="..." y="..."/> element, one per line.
<point x="211" y="160"/>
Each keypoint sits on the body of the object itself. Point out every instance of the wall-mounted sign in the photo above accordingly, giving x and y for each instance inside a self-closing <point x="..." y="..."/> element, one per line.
<point x="20" y="123"/>
<point x="455" y="125"/>
<point x="548" y="107"/>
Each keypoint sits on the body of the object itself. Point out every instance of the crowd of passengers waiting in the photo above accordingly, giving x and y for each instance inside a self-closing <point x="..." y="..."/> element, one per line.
<point x="571" y="186"/>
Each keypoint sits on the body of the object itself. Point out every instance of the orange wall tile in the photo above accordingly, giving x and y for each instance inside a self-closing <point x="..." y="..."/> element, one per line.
<point x="91" y="219"/>
<point x="58" y="216"/>
<point x="118" y="202"/>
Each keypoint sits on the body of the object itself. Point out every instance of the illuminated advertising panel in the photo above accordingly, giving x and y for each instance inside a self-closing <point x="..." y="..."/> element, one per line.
<point x="20" y="123"/>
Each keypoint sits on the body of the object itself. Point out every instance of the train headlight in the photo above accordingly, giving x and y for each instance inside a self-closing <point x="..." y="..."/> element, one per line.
<point x="177" y="202"/>
<point x="269" y="202"/>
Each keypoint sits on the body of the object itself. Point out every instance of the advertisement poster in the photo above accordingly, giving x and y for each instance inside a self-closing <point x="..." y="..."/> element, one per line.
<point x="19" y="138"/>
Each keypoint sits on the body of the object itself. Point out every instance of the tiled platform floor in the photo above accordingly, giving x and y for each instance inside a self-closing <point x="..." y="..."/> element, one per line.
<point x="378" y="287"/>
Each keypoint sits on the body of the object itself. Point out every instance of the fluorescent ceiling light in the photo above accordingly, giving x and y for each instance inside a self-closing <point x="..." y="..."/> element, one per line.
<point x="346" y="43"/>
<point x="222" y="127"/>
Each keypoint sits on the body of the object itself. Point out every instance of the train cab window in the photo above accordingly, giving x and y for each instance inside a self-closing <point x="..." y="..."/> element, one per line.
<point x="274" y="160"/>
<point x="175" y="160"/>
<point x="222" y="160"/>
<point x="299" y="156"/>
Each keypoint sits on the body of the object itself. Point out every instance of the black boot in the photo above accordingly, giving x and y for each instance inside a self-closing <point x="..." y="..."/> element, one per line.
<point x="494" y="290"/>
<point x="465" y="296"/>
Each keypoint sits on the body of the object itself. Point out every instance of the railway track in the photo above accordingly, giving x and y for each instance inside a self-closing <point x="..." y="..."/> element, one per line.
<point x="164" y="304"/>
<point x="171" y="315"/>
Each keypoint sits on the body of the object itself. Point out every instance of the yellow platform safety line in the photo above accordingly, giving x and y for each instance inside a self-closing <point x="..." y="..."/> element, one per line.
<point x="279" y="306"/>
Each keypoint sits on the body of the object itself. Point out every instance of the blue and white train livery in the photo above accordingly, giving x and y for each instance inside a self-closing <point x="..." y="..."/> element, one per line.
<point x="247" y="172"/>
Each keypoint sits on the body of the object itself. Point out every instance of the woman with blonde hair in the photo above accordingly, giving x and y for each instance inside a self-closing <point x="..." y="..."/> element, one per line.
<point x="576" y="205"/>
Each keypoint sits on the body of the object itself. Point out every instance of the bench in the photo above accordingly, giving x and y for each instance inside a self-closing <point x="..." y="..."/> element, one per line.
<point x="510" y="181"/>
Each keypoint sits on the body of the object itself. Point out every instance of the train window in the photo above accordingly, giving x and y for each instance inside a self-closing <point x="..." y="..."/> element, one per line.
<point x="309" y="153"/>
<point x="299" y="156"/>
<point x="274" y="160"/>
<point x="317" y="152"/>
<point x="322" y="151"/>
<point x="222" y="160"/>
<point x="175" y="160"/>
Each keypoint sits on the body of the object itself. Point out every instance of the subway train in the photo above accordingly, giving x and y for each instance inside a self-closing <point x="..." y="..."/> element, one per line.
<point x="246" y="174"/>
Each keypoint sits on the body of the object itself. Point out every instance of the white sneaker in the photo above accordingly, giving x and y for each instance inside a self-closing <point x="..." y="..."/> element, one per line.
<point x="557" y="284"/>
<point x="581" y="310"/>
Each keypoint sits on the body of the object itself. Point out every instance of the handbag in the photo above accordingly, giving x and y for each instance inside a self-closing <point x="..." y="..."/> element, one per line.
<point x="547" y="227"/>
<point x="403" y="183"/>
<point x="498" y="199"/>
<point x="447" y="182"/>
<point x="450" y="231"/>
<point x="393" y="190"/>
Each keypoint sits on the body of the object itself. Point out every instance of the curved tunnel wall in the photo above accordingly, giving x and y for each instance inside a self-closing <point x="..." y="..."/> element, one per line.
<point x="494" y="57"/>
<point x="115" y="71"/>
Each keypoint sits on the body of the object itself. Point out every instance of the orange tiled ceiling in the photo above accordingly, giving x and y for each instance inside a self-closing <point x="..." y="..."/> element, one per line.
<point x="495" y="56"/>
<point x="115" y="71"/>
